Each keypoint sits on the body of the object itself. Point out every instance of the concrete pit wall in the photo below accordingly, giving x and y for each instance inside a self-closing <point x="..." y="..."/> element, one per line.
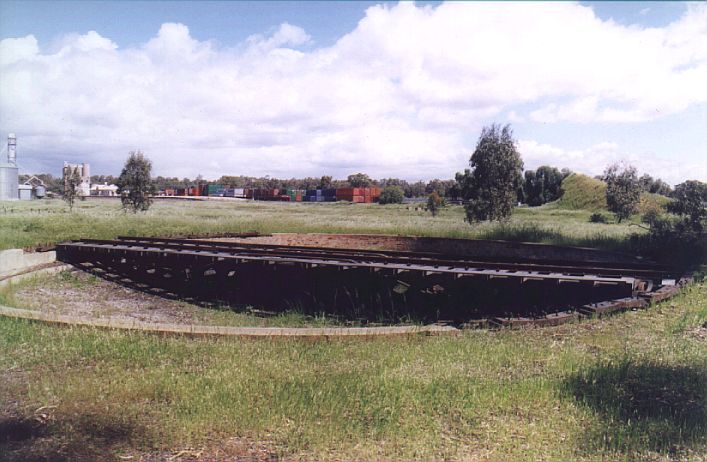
<point x="14" y="261"/>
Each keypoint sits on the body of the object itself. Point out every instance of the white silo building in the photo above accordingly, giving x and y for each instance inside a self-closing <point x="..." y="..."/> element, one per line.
<point x="9" y="172"/>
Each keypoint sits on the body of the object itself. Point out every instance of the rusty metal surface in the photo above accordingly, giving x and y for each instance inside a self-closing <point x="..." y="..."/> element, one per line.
<point x="266" y="269"/>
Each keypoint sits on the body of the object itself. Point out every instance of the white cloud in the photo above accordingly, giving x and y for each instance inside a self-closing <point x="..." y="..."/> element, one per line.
<point x="592" y="160"/>
<point x="399" y="95"/>
<point x="18" y="49"/>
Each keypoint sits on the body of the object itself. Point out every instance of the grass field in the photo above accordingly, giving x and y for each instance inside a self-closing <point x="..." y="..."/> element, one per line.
<point x="25" y="224"/>
<point x="628" y="387"/>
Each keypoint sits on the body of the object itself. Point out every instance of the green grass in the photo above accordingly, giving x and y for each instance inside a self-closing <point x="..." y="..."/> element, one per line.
<point x="26" y="224"/>
<point x="630" y="387"/>
<point x="581" y="192"/>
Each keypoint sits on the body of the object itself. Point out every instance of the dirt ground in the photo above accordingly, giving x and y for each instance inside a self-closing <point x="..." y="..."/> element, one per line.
<point x="79" y="293"/>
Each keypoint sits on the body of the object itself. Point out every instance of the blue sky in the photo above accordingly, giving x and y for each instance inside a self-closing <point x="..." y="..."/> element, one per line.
<point x="313" y="88"/>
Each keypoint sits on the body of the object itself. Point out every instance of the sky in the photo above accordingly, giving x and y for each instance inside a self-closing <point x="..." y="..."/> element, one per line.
<point x="294" y="89"/>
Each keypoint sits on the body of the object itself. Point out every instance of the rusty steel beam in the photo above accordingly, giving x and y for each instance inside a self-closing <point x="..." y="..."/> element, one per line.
<point x="206" y="255"/>
<point x="395" y="257"/>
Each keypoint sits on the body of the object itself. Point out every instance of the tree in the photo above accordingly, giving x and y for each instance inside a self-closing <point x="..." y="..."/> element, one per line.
<point x="690" y="198"/>
<point x="434" y="203"/>
<point x="391" y="195"/>
<point x="72" y="181"/>
<point x="654" y="185"/>
<point x="325" y="182"/>
<point x="134" y="184"/>
<point x="360" y="180"/>
<point x="543" y="185"/>
<point x="623" y="190"/>
<point x="491" y="186"/>
<point x="416" y="189"/>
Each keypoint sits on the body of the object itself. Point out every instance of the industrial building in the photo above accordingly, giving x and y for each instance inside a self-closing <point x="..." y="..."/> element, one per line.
<point x="83" y="170"/>
<point x="9" y="173"/>
<point x="10" y="189"/>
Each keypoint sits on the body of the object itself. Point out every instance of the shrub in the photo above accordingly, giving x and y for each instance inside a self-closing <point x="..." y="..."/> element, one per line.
<point x="597" y="218"/>
<point x="391" y="195"/>
<point x="434" y="203"/>
<point x="672" y="241"/>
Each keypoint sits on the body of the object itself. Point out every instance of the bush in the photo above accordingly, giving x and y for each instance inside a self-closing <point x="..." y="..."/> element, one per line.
<point x="391" y="195"/>
<point x="673" y="242"/>
<point x="597" y="218"/>
<point x="434" y="203"/>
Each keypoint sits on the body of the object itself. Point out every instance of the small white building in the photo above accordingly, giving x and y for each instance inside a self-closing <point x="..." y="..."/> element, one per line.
<point x="104" y="190"/>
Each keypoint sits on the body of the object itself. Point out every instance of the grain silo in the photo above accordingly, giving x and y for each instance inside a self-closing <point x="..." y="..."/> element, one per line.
<point x="9" y="172"/>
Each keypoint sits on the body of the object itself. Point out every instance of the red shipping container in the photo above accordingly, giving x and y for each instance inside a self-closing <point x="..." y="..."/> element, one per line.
<point x="351" y="198"/>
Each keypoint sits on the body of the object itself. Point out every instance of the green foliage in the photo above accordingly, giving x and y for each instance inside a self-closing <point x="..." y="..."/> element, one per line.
<point x="651" y="216"/>
<point x="623" y="191"/>
<point x="652" y="202"/>
<point x="677" y="240"/>
<point x="360" y="180"/>
<point x="325" y="182"/>
<point x="443" y="188"/>
<point x="597" y="217"/>
<point x="491" y="186"/>
<point x="135" y="186"/>
<point x="672" y="241"/>
<point x="543" y="185"/>
<point x="391" y="195"/>
<point x="581" y="192"/>
<point x="654" y="185"/>
<point x="690" y="198"/>
<point x="434" y="203"/>
<point x="72" y="181"/>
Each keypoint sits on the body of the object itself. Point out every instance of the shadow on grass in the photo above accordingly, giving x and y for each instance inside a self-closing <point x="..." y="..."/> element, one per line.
<point x="539" y="234"/>
<point x="84" y="437"/>
<point x="643" y="406"/>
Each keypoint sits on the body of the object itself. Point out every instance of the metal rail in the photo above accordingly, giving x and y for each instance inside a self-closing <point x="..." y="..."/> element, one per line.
<point x="633" y="265"/>
<point x="216" y="252"/>
<point x="644" y="270"/>
<point x="198" y="257"/>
